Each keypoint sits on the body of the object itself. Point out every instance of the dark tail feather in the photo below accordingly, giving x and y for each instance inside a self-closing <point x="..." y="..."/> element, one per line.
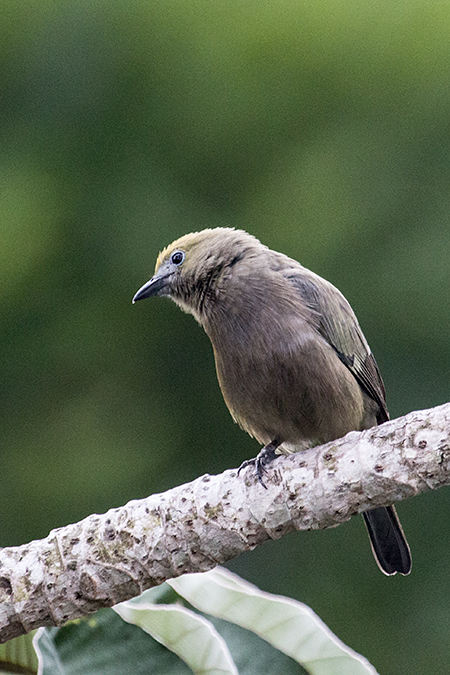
<point x="388" y="542"/>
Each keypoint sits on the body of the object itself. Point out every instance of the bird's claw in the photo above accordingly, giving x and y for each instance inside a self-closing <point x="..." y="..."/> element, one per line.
<point x="260" y="468"/>
<point x="260" y="462"/>
<point x="244" y="465"/>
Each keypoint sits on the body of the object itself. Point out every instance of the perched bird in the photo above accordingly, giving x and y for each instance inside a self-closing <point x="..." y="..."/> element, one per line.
<point x="293" y="365"/>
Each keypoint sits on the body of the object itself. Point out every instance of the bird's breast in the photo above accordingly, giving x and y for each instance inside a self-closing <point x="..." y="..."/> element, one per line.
<point x="286" y="383"/>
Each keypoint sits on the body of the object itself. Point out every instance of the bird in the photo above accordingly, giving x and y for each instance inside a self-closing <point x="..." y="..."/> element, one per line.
<point x="292" y="362"/>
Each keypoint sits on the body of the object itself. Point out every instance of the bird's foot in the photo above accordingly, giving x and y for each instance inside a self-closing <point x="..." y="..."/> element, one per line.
<point x="261" y="461"/>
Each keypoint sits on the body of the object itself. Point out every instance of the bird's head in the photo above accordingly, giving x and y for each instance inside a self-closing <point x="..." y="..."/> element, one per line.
<point x="194" y="270"/>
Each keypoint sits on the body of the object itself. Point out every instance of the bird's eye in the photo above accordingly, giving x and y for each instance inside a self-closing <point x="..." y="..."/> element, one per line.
<point x="177" y="257"/>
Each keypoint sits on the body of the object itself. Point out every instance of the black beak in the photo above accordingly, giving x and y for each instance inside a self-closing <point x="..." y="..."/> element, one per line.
<point x="156" y="286"/>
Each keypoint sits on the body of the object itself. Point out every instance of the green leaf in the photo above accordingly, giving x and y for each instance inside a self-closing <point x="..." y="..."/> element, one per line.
<point x="251" y="654"/>
<point x="190" y="636"/>
<point x="103" y="643"/>
<point x="47" y="653"/>
<point x="288" y="625"/>
<point x="18" y="655"/>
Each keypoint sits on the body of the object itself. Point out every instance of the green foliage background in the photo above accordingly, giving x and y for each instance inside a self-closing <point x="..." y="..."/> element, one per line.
<point x="323" y="129"/>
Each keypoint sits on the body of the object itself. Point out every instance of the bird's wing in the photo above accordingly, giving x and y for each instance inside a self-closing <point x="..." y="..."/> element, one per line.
<point x="337" y="323"/>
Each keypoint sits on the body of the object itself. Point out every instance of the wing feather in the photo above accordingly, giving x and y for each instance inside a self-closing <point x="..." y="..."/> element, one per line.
<point x="338" y="325"/>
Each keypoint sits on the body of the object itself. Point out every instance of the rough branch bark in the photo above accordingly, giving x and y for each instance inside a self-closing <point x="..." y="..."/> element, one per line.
<point x="105" y="559"/>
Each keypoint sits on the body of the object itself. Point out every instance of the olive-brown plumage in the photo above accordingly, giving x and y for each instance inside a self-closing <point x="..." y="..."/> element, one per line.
<point x="293" y="365"/>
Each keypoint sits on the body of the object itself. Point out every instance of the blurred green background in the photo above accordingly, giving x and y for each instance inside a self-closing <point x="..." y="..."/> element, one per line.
<point x="323" y="129"/>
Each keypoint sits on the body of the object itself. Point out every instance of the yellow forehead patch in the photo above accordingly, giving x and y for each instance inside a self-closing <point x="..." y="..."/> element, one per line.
<point x="166" y="252"/>
<point x="184" y="243"/>
<point x="217" y="239"/>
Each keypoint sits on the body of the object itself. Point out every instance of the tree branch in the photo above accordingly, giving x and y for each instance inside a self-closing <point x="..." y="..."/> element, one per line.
<point x="105" y="559"/>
